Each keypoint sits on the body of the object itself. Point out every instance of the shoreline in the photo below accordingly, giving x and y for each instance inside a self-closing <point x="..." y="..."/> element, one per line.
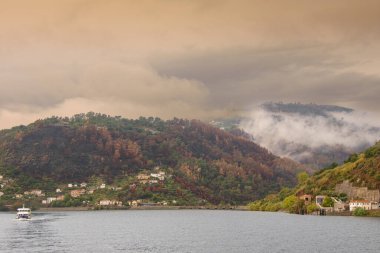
<point x="61" y="209"/>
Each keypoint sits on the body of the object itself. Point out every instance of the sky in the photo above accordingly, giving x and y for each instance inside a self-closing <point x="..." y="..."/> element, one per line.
<point x="188" y="59"/>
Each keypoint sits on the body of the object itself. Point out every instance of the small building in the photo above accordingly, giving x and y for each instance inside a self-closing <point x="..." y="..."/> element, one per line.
<point x="107" y="202"/>
<point x="1" y="177"/>
<point x="153" y="181"/>
<point x="35" y="192"/>
<point x="60" y="198"/>
<point x="319" y="199"/>
<point x="340" y="207"/>
<point x="83" y="184"/>
<point x="365" y="204"/>
<point x="58" y="190"/>
<point x="306" y="198"/>
<point x="143" y="178"/>
<point x="18" y="196"/>
<point x="374" y="205"/>
<point x="1" y="194"/>
<point x="135" y="202"/>
<point x="160" y="175"/>
<point x="77" y="193"/>
<point x="70" y="185"/>
<point x="102" y="186"/>
<point x="51" y="199"/>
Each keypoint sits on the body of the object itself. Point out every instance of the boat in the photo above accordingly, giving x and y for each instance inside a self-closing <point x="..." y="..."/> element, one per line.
<point x="24" y="213"/>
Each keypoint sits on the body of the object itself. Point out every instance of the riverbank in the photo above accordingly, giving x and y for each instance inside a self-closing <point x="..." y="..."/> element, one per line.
<point x="64" y="209"/>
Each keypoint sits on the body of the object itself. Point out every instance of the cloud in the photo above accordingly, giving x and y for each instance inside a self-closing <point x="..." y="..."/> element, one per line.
<point x="252" y="76"/>
<point x="287" y="133"/>
<point x="112" y="88"/>
<point x="193" y="59"/>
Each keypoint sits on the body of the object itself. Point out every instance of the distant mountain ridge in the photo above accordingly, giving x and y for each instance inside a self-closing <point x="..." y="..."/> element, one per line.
<point x="210" y="163"/>
<point x="305" y="109"/>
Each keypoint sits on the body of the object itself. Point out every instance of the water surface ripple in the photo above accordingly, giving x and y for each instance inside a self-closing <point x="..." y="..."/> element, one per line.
<point x="187" y="231"/>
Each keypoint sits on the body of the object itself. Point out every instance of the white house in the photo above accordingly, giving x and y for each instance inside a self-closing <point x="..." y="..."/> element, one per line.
<point x="102" y="186"/>
<point x="83" y="184"/>
<point x="135" y="202"/>
<point x="1" y="194"/>
<point x="365" y="204"/>
<point x="58" y="190"/>
<point x="50" y="199"/>
<point x="375" y="205"/>
<point x="160" y="175"/>
<point x="70" y="185"/>
<point x="1" y="177"/>
<point x="107" y="202"/>
<point x="35" y="192"/>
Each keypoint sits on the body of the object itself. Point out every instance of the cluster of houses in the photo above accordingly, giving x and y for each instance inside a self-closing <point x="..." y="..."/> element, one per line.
<point x="152" y="178"/>
<point x="76" y="190"/>
<point x="340" y="206"/>
<point x="73" y="191"/>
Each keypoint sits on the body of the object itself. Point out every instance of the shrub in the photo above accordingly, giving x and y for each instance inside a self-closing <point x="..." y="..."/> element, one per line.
<point x="360" y="212"/>
<point x="352" y="158"/>
<point x="371" y="152"/>
<point x="327" y="202"/>
<point x="312" y="208"/>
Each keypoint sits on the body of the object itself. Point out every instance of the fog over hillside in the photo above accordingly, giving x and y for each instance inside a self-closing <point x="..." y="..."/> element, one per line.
<point x="312" y="134"/>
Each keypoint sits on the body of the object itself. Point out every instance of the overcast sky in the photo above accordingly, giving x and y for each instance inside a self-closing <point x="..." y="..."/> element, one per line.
<point x="191" y="59"/>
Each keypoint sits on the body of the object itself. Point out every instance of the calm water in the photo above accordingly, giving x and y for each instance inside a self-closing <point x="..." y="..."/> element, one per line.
<point x="187" y="231"/>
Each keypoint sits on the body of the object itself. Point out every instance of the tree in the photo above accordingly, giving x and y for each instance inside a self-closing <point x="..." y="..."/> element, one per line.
<point x="302" y="177"/>
<point x="312" y="208"/>
<point x="327" y="202"/>
<point x="359" y="211"/>
<point x="293" y="204"/>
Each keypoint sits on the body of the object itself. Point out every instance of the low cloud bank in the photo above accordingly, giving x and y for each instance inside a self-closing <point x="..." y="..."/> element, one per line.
<point x="298" y="135"/>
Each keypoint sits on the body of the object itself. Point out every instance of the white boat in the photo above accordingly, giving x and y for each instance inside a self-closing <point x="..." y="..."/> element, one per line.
<point x="24" y="213"/>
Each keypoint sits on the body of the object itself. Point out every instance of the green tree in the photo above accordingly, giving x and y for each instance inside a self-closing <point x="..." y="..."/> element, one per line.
<point x="312" y="208"/>
<point x="327" y="202"/>
<point x="360" y="212"/>
<point x="302" y="177"/>
<point x="293" y="204"/>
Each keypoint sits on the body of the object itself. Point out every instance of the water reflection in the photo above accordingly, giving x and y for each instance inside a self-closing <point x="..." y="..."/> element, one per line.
<point x="30" y="235"/>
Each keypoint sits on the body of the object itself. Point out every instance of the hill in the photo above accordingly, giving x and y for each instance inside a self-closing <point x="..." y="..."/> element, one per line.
<point x="359" y="170"/>
<point x="205" y="163"/>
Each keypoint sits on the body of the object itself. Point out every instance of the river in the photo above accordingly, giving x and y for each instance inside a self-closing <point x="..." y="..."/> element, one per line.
<point x="187" y="231"/>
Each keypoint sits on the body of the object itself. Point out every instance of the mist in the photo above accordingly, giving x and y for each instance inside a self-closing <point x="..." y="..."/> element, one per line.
<point x="301" y="135"/>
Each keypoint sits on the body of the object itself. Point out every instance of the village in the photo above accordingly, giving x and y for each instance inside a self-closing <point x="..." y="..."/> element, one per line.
<point x="97" y="194"/>
<point x="350" y="198"/>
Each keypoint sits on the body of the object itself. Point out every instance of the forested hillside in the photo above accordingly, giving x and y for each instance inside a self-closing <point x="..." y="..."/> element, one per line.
<point x="360" y="170"/>
<point x="211" y="164"/>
